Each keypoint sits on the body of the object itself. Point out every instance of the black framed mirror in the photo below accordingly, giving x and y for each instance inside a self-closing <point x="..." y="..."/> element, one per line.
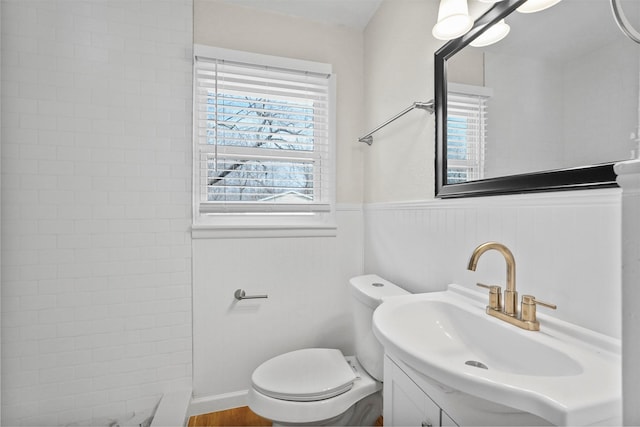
<point x="448" y="185"/>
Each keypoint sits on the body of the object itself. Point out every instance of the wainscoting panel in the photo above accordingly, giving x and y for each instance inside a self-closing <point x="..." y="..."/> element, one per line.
<point x="566" y="246"/>
<point x="308" y="306"/>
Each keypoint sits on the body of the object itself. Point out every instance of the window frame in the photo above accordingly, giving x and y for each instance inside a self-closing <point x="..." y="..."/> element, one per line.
<point x="301" y="220"/>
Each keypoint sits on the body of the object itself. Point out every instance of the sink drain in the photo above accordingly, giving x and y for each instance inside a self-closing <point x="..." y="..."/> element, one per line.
<point x="476" y="364"/>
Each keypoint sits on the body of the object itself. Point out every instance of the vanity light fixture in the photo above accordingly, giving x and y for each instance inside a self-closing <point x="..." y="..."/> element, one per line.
<point x="494" y="34"/>
<point x="536" y="5"/>
<point x="453" y="20"/>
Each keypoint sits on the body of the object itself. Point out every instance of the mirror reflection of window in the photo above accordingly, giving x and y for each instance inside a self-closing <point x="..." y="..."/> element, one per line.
<point x="466" y="132"/>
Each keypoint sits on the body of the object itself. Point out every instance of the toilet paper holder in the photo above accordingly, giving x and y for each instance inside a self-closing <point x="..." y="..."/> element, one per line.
<point x="240" y="294"/>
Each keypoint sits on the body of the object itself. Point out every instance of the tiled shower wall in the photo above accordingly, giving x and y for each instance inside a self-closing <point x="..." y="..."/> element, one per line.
<point x="96" y="185"/>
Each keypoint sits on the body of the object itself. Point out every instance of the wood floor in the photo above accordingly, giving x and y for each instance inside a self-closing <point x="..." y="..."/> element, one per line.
<point x="232" y="417"/>
<point x="235" y="417"/>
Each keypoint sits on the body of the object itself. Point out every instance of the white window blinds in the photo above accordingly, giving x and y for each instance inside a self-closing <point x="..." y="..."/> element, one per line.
<point x="263" y="138"/>
<point x="466" y="135"/>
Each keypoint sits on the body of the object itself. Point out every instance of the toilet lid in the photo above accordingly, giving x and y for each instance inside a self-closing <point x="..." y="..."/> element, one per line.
<point x="304" y="375"/>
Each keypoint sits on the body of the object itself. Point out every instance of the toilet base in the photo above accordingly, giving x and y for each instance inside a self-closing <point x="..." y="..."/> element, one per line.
<point x="364" y="413"/>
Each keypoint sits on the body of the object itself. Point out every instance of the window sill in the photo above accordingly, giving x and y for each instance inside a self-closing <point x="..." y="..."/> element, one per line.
<point x="249" y="232"/>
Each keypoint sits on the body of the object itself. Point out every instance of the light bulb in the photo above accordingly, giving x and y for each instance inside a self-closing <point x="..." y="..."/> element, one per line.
<point x="453" y="20"/>
<point x="492" y="35"/>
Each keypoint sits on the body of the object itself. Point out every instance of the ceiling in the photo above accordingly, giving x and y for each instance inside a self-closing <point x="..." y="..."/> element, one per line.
<point x="594" y="15"/>
<point x="349" y="13"/>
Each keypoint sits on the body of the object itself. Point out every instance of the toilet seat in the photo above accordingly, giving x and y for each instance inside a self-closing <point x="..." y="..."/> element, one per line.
<point x="306" y="375"/>
<point x="299" y="413"/>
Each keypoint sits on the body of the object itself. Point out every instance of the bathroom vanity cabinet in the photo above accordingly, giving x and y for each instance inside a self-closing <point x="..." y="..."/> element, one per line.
<point x="406" y="404"/>
<point x="413" y="399"/>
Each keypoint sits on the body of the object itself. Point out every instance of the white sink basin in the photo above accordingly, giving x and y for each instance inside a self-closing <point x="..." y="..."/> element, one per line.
<point x="564" y="373"/>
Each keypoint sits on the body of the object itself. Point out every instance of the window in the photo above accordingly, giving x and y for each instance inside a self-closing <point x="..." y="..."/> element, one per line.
<point x="263" y="138"/>
<point x="466" y="132"/>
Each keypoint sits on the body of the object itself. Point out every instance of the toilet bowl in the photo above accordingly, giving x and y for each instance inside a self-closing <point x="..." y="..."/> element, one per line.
<point x="321" y="386"/>
<point x="317" y="386"/>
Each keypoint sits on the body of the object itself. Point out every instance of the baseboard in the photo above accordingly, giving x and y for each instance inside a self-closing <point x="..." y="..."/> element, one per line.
<point x="215" y="403"/>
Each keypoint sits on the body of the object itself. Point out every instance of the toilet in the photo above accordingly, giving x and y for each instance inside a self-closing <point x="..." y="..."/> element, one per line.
<point x="321" y="386"/>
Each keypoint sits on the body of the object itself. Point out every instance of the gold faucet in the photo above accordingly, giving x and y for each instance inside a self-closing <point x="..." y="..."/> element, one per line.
<point x="508" y="313"/>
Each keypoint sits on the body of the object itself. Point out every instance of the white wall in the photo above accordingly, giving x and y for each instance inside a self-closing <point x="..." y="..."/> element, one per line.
<point x="398" y="60"/>
<point x="0" y="213"/>
<point x="567" y="245"/>
<point x="629" y="180"/>
<point x="308" y="305"/>
<point x="305" y="277"/>
<point x="96" y="168"/>
<point x="221" y="24"/>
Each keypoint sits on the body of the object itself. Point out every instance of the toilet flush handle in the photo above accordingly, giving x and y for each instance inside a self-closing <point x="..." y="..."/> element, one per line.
<point x="240" y="295"/>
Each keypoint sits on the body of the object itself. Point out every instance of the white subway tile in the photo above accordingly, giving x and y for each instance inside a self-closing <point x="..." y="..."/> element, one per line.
<point x="56" y="287"/>
<point x="18" y="105"/>
<point x="56" y="197"/>
<point x="94" y="398"/>
<point x="72" y="329"/>
<point x="41" y="362"/>
<point x="57" y="404"/>
<point x="70" y="271"/>
<point x="37" y="91"/>
<point x="87" y="24"/>
<point x="137" y="267"/>
<point x="173" y="345"/>
<point x="56" y="138"/>
<point x="13" y="288"/>
<point x="140" y="322"/>
<point x="13" y="317"/>
<point x="74" y="416"/>
<point x="55" y="374"/>
<point x="110" y="411"/>
<point x="38" y="420"/>
<point x="56" y="226"/>
<point x="128" y="394"/>
<point x="171" y="372"/>
<point x="55" y="315"/>
<point x="55" y="345"/>
<point x="122" y="254"/>
<point x="33" y="272"/>
<point x="19" y="257"/>
<point x="55" y="167"/>
<point x="12" y="379"/>
<point x="81" y="230"/>
<point x="180" y="318"/>
<point x="107" y="354"/>
<point x="76" y="211"/>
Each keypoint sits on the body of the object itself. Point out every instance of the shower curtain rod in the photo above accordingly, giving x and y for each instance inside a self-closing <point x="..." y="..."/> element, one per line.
<point x="429" y="106"/>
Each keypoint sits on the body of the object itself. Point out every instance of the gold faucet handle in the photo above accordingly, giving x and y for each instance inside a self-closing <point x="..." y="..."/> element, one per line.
<point x="495" y="296"/>
<point x="492" y="288"/>
<point x="528" y="307"/>
<point x="530" y="299"/>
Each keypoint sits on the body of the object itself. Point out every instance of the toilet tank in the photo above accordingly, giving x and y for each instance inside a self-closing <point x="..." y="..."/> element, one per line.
<point x="367" y="293"/>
